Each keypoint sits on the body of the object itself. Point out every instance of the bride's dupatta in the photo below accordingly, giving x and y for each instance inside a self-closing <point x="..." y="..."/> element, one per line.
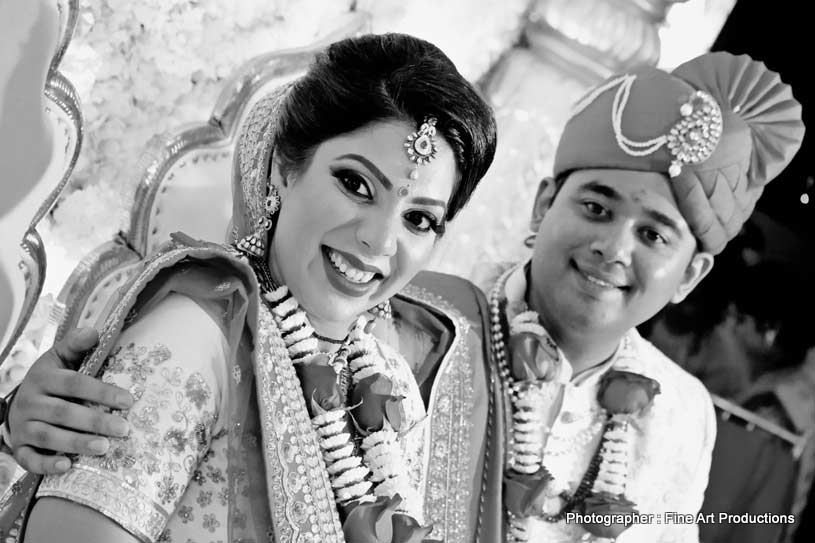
<point x="278" y="486"/>
<point x="461" y="469"/>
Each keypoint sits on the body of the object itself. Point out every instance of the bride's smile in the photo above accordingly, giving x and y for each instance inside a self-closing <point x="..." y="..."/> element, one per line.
<point x="354" y="228"/>
<point x="354" y="271"/>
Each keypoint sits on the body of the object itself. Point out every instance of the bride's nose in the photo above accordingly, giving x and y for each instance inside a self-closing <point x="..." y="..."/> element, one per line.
<point x="376" y="233"/>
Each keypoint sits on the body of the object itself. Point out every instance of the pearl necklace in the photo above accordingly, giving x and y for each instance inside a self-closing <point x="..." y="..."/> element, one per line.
<point x="581" y="439"/>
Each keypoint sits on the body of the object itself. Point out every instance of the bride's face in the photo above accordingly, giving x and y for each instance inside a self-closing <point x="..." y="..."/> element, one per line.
<point x="353" y="228"/>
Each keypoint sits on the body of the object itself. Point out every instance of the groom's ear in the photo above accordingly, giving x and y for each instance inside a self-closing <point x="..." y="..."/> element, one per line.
<point x="547" y="189"/>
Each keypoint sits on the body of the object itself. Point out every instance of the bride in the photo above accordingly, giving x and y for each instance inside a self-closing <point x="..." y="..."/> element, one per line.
<point x="265" y="409"/>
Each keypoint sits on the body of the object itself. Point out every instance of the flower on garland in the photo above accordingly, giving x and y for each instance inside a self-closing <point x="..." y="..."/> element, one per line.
<point x="607" y="504"/>
<point x="376" y="406"/>
<point x="534" y="356"/>
<point x="622" y="394"/>
<point x="524" y="495"/>
<point x="379" y="522"/>
<point x="319" y="382"/>
<point x="626" y="392"/>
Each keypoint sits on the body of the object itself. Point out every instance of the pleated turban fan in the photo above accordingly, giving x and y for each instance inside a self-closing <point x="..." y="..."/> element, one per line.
<point x="719" y="126"/>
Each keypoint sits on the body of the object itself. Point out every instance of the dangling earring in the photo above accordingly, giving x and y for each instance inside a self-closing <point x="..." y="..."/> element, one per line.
<point x="255" y="243"/>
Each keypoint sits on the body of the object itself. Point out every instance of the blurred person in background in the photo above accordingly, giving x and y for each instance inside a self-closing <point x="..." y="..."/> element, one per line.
<point x="727" y="333"/>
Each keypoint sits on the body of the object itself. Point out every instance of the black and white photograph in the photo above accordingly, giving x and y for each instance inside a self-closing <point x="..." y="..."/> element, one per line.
<point x="377" y="271"/>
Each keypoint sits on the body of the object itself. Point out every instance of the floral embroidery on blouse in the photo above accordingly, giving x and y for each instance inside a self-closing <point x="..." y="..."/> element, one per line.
<point x="204" y="498"/>
<point x="169" y="480"/>
<point x="142" y="481"/>
<point x="185" y="514"/>
<point x="184" y="437"/>
<point x="210" y="522"/>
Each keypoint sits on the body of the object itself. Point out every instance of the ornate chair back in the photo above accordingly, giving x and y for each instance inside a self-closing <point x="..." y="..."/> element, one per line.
<point x="24" y="277"/>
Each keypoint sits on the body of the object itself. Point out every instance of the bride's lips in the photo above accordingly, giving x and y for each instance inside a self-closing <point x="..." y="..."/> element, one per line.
<point x="356" y="279"/>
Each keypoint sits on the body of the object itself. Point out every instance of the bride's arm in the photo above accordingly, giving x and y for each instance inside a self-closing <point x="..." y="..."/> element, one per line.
<point x="173" y="360"/>
<point x="70" y="522"/>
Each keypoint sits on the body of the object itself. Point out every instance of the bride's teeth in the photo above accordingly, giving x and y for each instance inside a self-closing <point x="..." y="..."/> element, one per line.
<point x="352" y="274"/>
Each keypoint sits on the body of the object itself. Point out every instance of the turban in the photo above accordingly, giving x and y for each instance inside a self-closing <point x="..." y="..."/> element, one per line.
<point x="720" y="127"/>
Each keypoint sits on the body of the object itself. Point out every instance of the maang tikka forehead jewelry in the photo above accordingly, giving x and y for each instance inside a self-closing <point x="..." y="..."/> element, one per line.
<point x="421" y="145"/>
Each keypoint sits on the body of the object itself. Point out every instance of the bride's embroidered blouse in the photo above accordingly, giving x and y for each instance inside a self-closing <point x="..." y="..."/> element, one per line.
<point x="167" y="481"/>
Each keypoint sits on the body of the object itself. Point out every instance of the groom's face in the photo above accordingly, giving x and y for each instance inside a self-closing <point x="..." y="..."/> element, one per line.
<point x="611" y="250"/>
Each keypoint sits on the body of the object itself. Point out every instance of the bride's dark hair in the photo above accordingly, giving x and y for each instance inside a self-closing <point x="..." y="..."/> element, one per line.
<point x="372" y="78"/>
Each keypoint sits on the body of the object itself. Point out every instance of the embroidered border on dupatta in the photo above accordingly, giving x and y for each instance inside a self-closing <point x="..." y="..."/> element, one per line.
<point x="302" y="501"/>
<point x="173" y="251"/>
<point x="124" y="504"/>
<point x="447" y="460"/>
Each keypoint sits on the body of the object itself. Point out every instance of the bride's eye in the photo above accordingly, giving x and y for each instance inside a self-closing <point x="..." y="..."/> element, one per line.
<point x="424" y="222"/>
<point x="354" y="183"/>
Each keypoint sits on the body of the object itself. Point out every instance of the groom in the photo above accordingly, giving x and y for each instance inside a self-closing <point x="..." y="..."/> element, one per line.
<point x="653" y="175"/>
<point x="651" y="180"/>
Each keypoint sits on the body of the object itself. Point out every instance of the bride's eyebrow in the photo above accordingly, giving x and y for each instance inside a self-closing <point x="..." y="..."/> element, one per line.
<point x="371" y="167"/>
<point x="424" y="200"/>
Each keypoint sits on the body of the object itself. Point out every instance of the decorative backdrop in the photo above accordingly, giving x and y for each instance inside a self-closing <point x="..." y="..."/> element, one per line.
<point x="141" y="68"/>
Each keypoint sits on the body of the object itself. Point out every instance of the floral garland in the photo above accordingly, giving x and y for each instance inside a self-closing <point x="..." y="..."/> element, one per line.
<point x="360" y="443"/>
<point x="529" y="390"/>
